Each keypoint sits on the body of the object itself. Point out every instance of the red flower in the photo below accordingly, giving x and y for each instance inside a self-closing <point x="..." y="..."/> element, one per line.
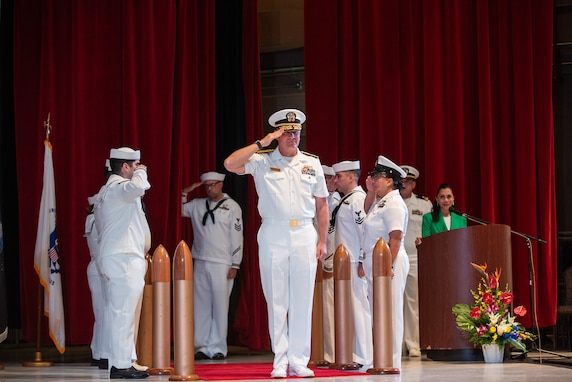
<point x="506" y="298"/>
<point x="520" y="310"/>
<point x="488" y="298"/>
<point x="475" y="313"/>
<point x="492" y="282"/>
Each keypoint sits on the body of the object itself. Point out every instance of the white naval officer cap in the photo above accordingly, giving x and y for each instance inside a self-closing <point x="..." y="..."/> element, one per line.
<point x="412" y="172"/>
<point x="328" y="170"/>
<point x="125" y="153"/>
<point x="384" y="165"/>
<point x="346" y="165"/>
<point x="288" y="119"/>
<point x="212" y="176"/>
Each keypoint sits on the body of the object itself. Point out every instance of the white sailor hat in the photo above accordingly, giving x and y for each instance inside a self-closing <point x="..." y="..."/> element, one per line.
<point x="412" y="172"/>
<point x="384" y="165"/>
<point x="346" y="165"/>
<point x="125" y="153"/>
<point x="328" y="170"/>
<point x="288" y="119"/>
<point x="212" y="176"/>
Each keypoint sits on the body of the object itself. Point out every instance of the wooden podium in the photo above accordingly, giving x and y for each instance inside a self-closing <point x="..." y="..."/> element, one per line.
<point x="446" y="278"/>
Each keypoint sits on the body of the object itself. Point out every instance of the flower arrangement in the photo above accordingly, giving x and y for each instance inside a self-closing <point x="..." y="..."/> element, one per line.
<point x="489" y="319"/>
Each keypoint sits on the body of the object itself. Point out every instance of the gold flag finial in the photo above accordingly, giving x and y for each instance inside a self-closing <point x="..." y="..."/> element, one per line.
<point x="48" y="127"/>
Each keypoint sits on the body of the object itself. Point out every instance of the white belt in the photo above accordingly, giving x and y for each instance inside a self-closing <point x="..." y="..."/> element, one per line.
<point x="291" y="223"/>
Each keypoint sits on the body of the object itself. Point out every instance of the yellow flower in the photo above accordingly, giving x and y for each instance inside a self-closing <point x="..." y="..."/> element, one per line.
<point x="495" y="337"/>
<point x="492" y="329"/>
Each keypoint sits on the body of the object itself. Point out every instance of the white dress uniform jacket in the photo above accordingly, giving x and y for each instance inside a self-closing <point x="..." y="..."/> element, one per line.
<point x="122" y="228"/>
<point x="287" y="187"/>
<point x="349" y="232"/>
<point x="217" y="246"/>
<point x="387" y="215"/>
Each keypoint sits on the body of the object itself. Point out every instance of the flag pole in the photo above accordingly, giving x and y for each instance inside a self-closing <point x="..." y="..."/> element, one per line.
<point x="38" y="362"/>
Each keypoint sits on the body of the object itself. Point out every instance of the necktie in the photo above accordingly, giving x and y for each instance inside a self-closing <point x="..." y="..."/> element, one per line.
<point x="211" y="212"/>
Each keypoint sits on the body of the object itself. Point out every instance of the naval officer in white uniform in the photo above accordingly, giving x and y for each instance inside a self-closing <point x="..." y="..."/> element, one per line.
<point x="292" y="191"/>
<point x="217" y="254"/>
<point x="123" y="229"/>
<point x="387" y="217"/>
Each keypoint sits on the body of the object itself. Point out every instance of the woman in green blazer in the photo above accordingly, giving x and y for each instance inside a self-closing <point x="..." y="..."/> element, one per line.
<point x="440" y="219"/>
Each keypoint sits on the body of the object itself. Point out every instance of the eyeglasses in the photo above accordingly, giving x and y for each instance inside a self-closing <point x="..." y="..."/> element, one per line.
<point x="378" y="175"/>
<point x="209" y="185"/>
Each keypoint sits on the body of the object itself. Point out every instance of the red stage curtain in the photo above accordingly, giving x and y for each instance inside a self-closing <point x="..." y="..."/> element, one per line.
<point x="462" y="90"/>
<point x="251" y="321"/>
<point x="110" y="73"/>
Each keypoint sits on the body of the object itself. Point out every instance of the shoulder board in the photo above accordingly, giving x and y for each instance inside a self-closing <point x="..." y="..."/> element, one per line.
<point x="265" y="151"/>
<point x="309" y="154"/>
<point x="423" y="197"/>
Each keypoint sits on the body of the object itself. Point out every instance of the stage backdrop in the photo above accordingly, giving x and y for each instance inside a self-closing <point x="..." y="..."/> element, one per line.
<point x="462" y="90"/>
<point x="110" y="73"/>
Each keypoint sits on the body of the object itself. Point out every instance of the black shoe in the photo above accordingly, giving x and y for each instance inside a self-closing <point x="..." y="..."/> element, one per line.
<point x="200" y="355"/>
<point x="218" y="356"/>
<point x="129" y="373"/>
<point x="103" y="364"/>
<point x="95" y="362"/>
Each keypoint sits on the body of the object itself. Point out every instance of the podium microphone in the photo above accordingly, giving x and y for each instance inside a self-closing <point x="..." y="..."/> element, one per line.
<point x="453" y="210"/>
<point x="468" y="217"/>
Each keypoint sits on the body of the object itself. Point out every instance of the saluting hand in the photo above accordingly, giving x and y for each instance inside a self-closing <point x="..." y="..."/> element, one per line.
<point x="267" y="140"/>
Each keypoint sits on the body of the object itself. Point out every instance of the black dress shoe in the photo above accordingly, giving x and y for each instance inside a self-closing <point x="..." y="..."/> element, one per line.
<point x="129" y="373"/>
<point x="218" y="356"/>
<point x="95" y="362"/>
<point x="103" y="364"/>
<point x="200" y="355"/>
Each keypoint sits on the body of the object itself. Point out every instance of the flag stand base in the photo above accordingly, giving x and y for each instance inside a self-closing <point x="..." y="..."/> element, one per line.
<point x="37" y="362"/>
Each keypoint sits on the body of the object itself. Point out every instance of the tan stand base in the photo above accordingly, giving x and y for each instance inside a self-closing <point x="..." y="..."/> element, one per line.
<point x="160" y="371"/>
<point x="191" y="377"/>
<point x="37" y="362"/>
<point x="314" y="363"/>
<point x="344" y="366"/>
<point x="383" y="370"/>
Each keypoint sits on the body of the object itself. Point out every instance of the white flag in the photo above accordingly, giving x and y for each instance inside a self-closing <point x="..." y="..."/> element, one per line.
<point x="46" y="256"/>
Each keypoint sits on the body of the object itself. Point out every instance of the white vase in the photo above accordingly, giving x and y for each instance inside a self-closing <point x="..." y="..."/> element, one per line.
<point x="493" y="353"/>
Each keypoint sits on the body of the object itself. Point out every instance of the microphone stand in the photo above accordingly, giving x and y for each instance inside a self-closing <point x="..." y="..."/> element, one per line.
<point x="531" y="284"/>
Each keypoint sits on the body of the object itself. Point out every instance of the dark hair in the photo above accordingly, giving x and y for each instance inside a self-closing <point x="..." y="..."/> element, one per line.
<point x="116" y="164"/>
<point x="435" y="210"/>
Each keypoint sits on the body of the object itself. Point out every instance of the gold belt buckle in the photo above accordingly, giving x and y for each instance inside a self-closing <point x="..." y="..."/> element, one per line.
<point x="293" y="223"/>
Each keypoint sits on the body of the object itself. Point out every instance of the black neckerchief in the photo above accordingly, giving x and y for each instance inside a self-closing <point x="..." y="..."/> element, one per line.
<point x="210" y="212"/>
<point x="335" y="211"/>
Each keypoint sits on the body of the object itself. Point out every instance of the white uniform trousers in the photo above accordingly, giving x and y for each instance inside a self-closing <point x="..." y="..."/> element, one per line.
<point x="400" y="270"/>
<point x="363" y="334"/>
<point x="287" y="259"/>
<point x="411" y="307"/>
<point x="211" y="294"/>
<point x="328" y="314"/>
<point x="96" y="287"/>
<point x="124" y="282"/>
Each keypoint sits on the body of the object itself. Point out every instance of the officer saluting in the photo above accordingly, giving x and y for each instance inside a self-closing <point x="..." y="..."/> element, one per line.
<point x="292" y="191"/>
